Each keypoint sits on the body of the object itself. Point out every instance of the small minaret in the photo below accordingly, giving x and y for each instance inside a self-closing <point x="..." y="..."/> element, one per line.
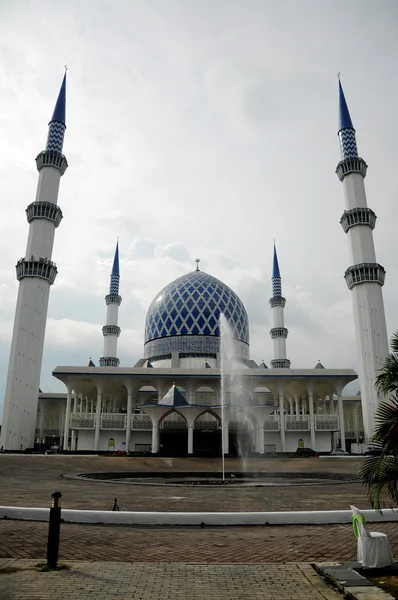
<point x="111" y="330"/>
<point x="365" y="277"/>
<point x="35" y="273"/>
<point x="279" y="332"/>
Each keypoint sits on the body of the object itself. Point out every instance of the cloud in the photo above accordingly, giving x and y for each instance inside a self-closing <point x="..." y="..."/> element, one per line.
<point x="197" y="130"/>
<point x="142" y="248"/>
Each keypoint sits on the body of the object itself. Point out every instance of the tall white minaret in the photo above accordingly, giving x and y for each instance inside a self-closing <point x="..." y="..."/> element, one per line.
<point x="365" y="277"/>
<point x="111" y="330"/>
<point x="35" y="273"/>
<point x="279" y="332"/>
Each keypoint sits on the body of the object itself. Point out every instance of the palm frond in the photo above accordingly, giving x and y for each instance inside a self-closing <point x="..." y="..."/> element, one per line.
<point x="394" y="342"/>
<point x="386" y="425"/>
<point x="380" y="475"/>
<point x="387" y="380"/>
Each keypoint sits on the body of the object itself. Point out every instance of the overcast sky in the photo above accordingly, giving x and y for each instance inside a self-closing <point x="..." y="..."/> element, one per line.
<point x="198" y="128"/>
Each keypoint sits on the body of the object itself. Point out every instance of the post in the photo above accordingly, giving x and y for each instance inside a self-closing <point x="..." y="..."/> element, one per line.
<point x="53" y="531"/>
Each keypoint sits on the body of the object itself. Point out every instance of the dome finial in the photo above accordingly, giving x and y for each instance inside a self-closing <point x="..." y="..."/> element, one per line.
<point x="197" y="260"/>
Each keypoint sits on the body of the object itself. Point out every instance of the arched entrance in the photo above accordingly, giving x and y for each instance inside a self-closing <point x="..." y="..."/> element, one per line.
<point x="173" y="435"/>
<point x="207" y="435"/>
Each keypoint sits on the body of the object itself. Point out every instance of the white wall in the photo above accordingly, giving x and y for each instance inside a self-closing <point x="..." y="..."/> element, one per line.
<point x="140" y="437"/>
<point x="86" y="439"/>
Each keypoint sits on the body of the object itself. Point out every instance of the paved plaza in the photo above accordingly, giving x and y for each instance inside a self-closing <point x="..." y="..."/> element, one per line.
<point x="163" y="581"/>
<point x="124" y="562"/>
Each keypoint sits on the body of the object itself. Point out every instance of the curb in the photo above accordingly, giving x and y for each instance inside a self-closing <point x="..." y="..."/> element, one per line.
<point x="351" y="584"/>
<point x="326" y="517"/>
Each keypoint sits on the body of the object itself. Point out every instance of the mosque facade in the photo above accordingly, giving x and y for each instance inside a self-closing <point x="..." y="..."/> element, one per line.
<point x="186" y="396"/>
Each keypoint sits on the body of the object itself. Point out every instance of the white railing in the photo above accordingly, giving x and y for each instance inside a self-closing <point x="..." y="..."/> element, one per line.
<point x="141" y="422"/>
<point x="272" y="423"/>
<point x="82" y="421"/>
<point x="113" y="421"/>
<point x="327" y="423"/>
<point x="297" y="423"/>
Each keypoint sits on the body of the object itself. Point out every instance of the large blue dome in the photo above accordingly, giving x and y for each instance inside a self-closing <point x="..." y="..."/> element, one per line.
<point x="184" y="316"/>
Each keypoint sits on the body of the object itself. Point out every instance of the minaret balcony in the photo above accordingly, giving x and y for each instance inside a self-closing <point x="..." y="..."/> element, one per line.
<point x="44" y="210"/>
<point x="280" y="363"/>
<point x="111" y="330"/>
<point x="109" y="361"/>
<point x="364" y="273"/>
<point x="36" y="267"/>
<point x="278" y="332"/>
<point x="358" y="216"/>
<point x="50" y="158"/>
<point x="277" y="301"/>
<point x="351" y="165"/>
<point x="111" y="299"/>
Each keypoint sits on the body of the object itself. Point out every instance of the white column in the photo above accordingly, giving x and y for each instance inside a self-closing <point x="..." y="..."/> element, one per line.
<point x="312" y="419"/>
<point x="73" y="432"/>
<point x="128" y="419"/>
<point x="260" y="439"/>
<point x="97" y="419"/>
<point x="42" y="412"/>
<point x="61" y="430"/>
<point x="155" y="439"/>
<point x="190" y="439"/>
<point x="225" y="433"/>
<point x="282" y="421"/>
<point x="297" y="406"/>
<point x="67" y="418"/>
<point x="356" y="424"/>
<point x="341" y="416"/>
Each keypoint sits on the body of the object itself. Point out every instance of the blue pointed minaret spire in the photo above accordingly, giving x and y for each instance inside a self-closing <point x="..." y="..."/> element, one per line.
<point x="115" y="274"/>
<point x="111" y="330"/>
<point x="57" y="125"/>
<point x="346" y="131"/>
<point x="276" y="277"/>
<point x="279" y="332"/>
<point x="344" y="114"/>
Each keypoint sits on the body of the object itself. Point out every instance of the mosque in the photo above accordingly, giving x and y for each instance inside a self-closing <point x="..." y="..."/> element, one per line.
<point x="174" y="400"/>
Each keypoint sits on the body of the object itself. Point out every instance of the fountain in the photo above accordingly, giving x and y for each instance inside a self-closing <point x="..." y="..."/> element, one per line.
<point x="232" y="390"/>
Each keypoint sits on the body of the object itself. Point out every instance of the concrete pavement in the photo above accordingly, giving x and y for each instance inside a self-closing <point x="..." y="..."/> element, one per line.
<point x="163" y="581"/>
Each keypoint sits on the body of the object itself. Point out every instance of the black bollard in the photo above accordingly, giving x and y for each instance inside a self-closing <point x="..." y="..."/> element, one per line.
<point x="115" y="505"/>
<point x="53" y="531"/>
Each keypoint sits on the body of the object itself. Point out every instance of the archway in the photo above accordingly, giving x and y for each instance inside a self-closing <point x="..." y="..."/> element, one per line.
<point x="207" y="434"/>
<point x="173" y="435"/>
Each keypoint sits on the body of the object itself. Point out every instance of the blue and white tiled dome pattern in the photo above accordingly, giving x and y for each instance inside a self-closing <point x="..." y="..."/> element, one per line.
<point x="191" y="305"/>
